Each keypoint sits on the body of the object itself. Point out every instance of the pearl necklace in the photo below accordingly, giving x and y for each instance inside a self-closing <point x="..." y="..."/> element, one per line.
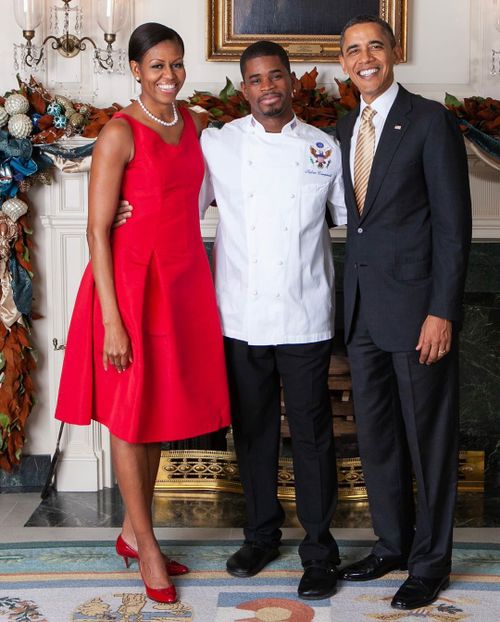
<point x="157" y="119"/>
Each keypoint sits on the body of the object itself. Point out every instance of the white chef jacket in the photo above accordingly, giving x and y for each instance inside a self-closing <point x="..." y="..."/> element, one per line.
<point x="273" y="265"/>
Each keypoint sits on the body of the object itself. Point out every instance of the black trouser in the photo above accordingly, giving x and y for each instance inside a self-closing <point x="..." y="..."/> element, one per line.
<point x="254" y="380"/>
<point x="407" y="416"/>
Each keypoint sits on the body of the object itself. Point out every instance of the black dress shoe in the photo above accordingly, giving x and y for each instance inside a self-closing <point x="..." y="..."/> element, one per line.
<point x="318" y="581"/>
<point x="250" y="559"/>
<point x="371" y="567"/>
<point x="418" y="592"/>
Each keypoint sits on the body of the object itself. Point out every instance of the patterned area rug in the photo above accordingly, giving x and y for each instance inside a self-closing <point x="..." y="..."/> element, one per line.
<point x="85" y="582"/>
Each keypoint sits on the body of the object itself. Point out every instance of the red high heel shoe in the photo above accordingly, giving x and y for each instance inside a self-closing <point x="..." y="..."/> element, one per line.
<point x="160" y="594"/>
<point x="123" y="549"/>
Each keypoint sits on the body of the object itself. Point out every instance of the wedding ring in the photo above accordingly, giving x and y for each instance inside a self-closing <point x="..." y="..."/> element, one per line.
<point x="441" y="352"/>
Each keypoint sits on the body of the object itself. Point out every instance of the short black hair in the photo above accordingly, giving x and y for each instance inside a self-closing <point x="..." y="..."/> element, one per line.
<point x="147" y="36"/>
<point x="264" y="48"/>
<point x="368" y="19"/>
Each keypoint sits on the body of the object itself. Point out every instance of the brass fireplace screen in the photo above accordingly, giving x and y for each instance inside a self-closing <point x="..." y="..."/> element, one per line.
<point x="200" y="470"/>
<point x="193" y="469"/>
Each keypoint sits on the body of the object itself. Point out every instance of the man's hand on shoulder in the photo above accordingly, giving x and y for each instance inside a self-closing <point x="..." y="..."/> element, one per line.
<point x="123" y="213"/>
<point x="435" y="339"/>
<point x="200" y="118"/>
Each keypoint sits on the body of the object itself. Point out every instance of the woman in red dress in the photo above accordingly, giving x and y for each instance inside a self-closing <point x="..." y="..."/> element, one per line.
<point x="144" y="354"/>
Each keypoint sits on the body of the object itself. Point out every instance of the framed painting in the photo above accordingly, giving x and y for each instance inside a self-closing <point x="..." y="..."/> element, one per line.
<point x="308" y="29"/>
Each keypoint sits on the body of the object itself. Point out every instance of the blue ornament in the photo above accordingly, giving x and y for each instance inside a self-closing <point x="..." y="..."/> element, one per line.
<point x="54" y="109"/>
<point x="35" y="117"/>
<point x="60" y="122"/>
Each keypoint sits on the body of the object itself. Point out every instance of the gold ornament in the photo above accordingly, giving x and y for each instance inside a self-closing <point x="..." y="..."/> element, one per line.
<point x="77" y="120"/>
<point x="20" y="126"/>
<point x="16" y="104"/>
<point x="68" y="112"/>
<point x="14" y="208"/>
<point x="42" y="177"/>
<point x="64" y="102"/>
<point x="26" y="184"/>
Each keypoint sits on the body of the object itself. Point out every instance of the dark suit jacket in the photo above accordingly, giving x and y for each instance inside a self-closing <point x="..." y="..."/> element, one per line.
<point x="408" y="251"/>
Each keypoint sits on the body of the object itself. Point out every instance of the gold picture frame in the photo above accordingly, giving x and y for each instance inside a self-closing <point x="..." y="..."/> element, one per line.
<point x="230" y="25"/>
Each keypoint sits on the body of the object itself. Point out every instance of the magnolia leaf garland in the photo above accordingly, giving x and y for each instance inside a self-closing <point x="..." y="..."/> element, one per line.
<point x="17" y="361"/>
<point x="30" y="119"/>
<point x="311" y="103"/>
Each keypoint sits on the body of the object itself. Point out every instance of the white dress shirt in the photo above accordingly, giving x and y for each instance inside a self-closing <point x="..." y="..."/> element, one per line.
<point x="382" y="105"/>
<point x="272" y="255"/>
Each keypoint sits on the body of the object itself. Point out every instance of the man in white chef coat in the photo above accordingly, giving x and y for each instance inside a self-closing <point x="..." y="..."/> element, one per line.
<point x="273" y="178"/>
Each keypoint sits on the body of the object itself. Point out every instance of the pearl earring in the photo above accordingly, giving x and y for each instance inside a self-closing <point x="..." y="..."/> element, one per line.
<point x="138" y="80"/>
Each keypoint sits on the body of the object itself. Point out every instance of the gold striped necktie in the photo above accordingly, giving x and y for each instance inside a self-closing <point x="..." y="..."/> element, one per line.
<point x="363" y="157"/>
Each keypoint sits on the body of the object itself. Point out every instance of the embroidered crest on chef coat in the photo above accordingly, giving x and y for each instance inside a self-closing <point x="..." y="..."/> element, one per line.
<point x="321" y="155"/>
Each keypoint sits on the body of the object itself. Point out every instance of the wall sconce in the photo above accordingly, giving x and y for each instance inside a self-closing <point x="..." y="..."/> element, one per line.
<point x="111" y="17"/>
<point x="495" y="54"/>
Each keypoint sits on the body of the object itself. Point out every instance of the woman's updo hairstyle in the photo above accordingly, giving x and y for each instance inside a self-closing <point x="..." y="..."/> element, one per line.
<point x="147" y="36"/>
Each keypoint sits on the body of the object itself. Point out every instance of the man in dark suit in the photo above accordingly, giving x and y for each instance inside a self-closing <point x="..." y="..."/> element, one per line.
<point x="408" y="237"/>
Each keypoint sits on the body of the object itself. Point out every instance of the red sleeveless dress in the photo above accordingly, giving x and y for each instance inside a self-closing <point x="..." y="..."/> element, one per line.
<point x="176" y="386"/>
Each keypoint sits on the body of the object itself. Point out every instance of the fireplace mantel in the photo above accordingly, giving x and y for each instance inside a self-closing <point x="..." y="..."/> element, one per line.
<point x="85" y="464"/>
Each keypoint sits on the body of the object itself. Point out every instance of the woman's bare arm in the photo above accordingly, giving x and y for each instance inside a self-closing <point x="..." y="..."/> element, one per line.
<point x="112" y="152"/>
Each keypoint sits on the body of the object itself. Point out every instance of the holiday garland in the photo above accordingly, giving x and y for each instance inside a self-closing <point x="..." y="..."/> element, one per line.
<point x="311" y="103"/>
<point x="31" y="120"/>
<point x="479" y="118"/>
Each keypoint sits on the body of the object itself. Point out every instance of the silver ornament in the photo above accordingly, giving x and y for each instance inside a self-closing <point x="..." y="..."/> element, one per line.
<point x="5" y="175"/>
<point x="84" y="109"/>
<point x="4" y="117"/>
<point x="16" y="104"/>
<point x="20" y="126"/>
<point x="14" y="208"/>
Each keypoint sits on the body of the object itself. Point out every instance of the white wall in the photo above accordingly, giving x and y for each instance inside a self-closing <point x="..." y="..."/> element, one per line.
<point x="449" y="47"/>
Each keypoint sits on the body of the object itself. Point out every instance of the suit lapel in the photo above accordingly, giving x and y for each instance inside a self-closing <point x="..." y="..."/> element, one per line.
<point x="345" y="147"/>
<point x="395" y="127"/>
